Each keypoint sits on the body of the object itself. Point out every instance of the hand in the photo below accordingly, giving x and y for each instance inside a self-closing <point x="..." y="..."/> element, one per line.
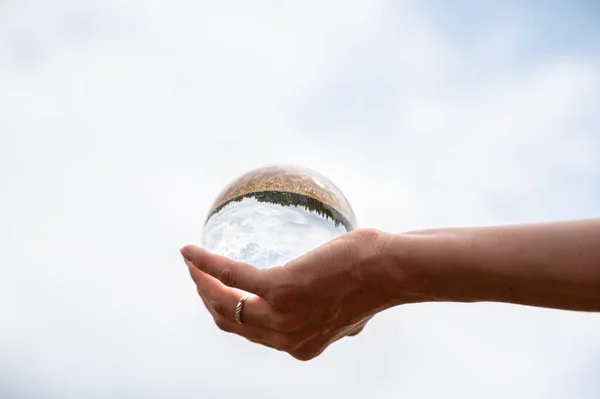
<point x="306" y="305"/>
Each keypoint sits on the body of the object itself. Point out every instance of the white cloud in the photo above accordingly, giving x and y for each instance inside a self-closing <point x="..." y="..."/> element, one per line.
<point x="122" y="121"/>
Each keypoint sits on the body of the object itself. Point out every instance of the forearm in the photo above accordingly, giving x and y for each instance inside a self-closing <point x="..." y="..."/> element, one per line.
<point x="553" y="265"/>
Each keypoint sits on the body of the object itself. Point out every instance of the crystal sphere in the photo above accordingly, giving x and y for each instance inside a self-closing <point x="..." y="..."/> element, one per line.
<point x="275" y="214"/>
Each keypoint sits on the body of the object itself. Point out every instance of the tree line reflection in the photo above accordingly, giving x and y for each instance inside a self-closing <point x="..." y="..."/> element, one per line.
<point x="285" y="198"/>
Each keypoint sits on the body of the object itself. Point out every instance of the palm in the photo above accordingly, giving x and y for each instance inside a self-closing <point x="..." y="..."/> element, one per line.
<point x="300" y="308"/>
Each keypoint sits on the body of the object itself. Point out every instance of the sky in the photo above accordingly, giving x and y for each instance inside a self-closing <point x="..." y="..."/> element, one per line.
<point x="122" y="120"/>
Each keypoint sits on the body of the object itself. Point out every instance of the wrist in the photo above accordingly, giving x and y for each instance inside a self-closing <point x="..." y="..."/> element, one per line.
<point x="425" y="267"/>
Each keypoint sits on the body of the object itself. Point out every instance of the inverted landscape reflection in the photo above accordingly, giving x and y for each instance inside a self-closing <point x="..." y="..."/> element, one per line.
<point x="266" y="234"/>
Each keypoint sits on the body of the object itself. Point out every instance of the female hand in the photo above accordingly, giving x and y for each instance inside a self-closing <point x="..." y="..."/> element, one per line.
<point x="331" y="292"/>
<point x="306" y="305"/>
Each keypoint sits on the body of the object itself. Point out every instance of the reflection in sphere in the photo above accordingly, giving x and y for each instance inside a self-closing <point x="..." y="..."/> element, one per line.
<point x="272" y="215"/>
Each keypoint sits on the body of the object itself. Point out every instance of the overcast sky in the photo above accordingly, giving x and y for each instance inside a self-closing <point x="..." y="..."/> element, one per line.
<point x="121" y="120"/>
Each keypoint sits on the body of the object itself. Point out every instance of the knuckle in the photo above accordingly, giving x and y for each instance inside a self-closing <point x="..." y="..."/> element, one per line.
<point x="218" y="308"/>
<point x="368" y="235"/>
<point x="228" y="276"/>
<point x="222" y="324"/>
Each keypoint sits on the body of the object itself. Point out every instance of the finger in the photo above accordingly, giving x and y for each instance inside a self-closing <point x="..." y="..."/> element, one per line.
<point x="212" y="310"/>
<point x="223" y="301"/>
<point x="200" y="293"/>
<point x="255" y="333"/>
<point x="270" y="338"/>
<point x="229" y="272"/>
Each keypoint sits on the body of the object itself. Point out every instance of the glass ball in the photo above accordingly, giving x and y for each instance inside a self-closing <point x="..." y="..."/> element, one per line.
<point x="272" y="215"/>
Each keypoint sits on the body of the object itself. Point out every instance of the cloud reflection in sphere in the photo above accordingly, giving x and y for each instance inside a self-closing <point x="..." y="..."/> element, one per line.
<point x="272" y="215"/>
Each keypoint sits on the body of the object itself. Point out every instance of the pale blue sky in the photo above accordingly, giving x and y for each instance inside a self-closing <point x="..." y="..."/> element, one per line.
<point x="122" y="120"/>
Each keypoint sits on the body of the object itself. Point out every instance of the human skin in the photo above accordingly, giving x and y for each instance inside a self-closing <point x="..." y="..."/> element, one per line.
<point x="332" y="292"/>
